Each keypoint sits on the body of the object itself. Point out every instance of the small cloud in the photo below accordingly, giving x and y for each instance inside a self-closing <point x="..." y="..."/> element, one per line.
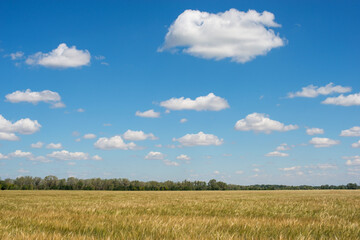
<point x="37" y="145"/>
<point x="89" y="136"/>
<point x="80" y="110"/>
<point x="199" y="139"/>
<point x="148" y="114"/>
<point x="155" y="156"/>
<point x="54" y="146"/>
<point x="312" y="91"/>
<point x="323" y="142"/>
<point x="183" y="120"/>
<point x="352" y="132"/>
<point x="276" y="154"/>
<point x="314" y="131"/>
<point x="170" y="163"/>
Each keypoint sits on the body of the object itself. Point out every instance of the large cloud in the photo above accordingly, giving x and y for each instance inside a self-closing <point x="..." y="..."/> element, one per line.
<point x="199" y="139"/>
<point x="323" y="142"/>
<point x="233" y="34"/>
<point x="349" y="100"/>
<point x="35" y="97"/>
<point x="312" y="91"/>
<point x="115" y="142"/>
<point x="61" y="57"/>
<point x="22" y="126"/>
<point x="138" y="135"/>
<point x="259" y="122"/>
<point x="202" y="103"/>
<point x="148" y="114"/>
<point x="352" y="132"/>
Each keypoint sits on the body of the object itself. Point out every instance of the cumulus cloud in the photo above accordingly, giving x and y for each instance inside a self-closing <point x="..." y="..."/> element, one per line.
<point x="115" y="142"/>
<point x="66" y="155"/>
<point x="240" y="36"/>
<point x="349" y="100"/>
<point x="148" y="114"/>
<point x="22" y="126"/>
<point x="170" y="163"/>
<point x="20" y="154"/>
<point x="352" y="160"/>
<point x="323" y="142"/>
<point x="199" y="139"/>
<point x="54" y="146"/>
<point x="276" y="154"/>
<point x="8" y="137"/>
<point x="37" y="145"/>
<point x="259" y="122"/>
<point x="202" y="103"/>
<point x="183" y="157"/>
<point x="2" y="156"/>
<point x="61" y="57"/>
<point x="314" y="131"/>
<point x="356" y="144"/>
<point x="155" y="156"/>
<point x="46" y="96"/>
<point x="312" y="91"/>
<point x="138" y="135"/>
<point x="352" y="132"/>
<point x="89" y="136"/>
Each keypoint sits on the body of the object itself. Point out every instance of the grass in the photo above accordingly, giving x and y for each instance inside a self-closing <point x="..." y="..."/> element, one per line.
<point x="324" y="214"/>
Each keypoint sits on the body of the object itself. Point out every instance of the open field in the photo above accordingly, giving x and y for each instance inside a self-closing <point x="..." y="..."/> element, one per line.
<point x="325" y="214"/>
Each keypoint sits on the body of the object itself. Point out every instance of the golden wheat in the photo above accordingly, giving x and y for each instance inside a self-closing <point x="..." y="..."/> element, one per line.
<point x="325" y="214"/>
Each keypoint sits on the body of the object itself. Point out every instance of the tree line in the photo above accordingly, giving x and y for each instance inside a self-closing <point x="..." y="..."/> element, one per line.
<point x="123" y="184"/>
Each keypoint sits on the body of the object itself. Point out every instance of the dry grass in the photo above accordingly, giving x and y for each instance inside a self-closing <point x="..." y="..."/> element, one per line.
<point x="326" y="214"/>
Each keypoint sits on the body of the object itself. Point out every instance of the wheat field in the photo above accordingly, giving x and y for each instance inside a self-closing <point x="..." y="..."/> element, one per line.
<point x="317" y="214"/>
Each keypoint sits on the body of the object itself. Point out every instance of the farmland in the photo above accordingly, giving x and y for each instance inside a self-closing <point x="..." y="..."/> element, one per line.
<point x="313" y="214"/>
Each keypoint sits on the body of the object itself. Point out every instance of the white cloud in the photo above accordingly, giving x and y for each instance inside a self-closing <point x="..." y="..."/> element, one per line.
<point x="37" y="145"/>
<point x="283" y="147"/>
<point x="2" y="156"/>
<point x="314" y="131"/>
<point x="97" y="158"/>
<point x="199" y="139"/>
<point x="148" y="114"/>
<point x="323" y="142"/>
<point x="115" y="142"/>
<point x="61" y="57"/>
<point x="290" y="168"/>
<point x="89" y="136"/>
<point x="20" y="154"/>
<point x="312" y="91"/>
<point x="356" y="144"/>
<point x="170" y="163"/>
<point x="216" y="172"/>
<point x="9" y="136"/>
<point x="138" y="135"/>
<point x="183" y="120"/>
<point x="17" y="55"/>
<point x="155" y="156"/>
<point x="80" y="110"/>
<point x="233" y="34"/>
<point x="202" y="103"/>
<point x="352" y="160"/>
<point x="41" y="159"/>
<point x="22" y="126"/>
<point x="66" y="155"/>
<point x="239" y="172"/>
<point x="54" y="146"/>
<point x="183" y="157"/>
<point x="349" y="100"/>
<point x="276" y="154"/>
<point x="46" y="96"/>
<point x="352" y="132"/>
<point x="259" y="122"/>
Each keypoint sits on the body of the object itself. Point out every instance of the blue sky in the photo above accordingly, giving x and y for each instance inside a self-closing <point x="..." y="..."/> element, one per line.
<point x="92" y="65"/>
